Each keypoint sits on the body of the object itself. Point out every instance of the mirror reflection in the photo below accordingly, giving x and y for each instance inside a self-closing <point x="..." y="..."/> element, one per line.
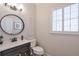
<point x="12" y="24"/>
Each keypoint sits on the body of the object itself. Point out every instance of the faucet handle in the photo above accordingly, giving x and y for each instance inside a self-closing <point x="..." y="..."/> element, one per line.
<point x="14" y="39"/>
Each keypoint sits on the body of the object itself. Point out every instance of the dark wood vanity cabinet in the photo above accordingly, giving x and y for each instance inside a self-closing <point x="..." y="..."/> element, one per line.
<point x="22" y="50"/>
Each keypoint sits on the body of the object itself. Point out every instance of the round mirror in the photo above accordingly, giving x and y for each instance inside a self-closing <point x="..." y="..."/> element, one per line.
<point x="12" y="24"/>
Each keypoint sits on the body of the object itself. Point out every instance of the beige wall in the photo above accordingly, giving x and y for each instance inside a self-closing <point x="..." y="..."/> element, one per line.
<point x="37" y="21"/>
<point x="54" y="44"/>
<point x="28" y="16"/>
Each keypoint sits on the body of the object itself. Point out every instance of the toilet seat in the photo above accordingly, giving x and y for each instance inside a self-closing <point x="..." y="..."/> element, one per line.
<point x="38" y="50"/>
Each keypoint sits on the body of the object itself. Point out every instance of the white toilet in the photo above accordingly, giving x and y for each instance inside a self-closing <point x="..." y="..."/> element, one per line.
<point x="36" y="50"/>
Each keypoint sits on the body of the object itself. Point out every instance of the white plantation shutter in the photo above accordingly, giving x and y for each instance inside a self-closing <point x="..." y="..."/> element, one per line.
<point x="74" y="17"/>
<point x="66" y="18"/>
<point x="57" y="22"/>
<point x="54" y="22"/>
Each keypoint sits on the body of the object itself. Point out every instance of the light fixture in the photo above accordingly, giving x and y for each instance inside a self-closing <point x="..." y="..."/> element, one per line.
<point x="14" y="7"/>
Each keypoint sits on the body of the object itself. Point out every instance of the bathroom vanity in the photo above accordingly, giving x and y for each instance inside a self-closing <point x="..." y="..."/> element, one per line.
<point x="18" y="48"/>
<point x="13" y="25"/>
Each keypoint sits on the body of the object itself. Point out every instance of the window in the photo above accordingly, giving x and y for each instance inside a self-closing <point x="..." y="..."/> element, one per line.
<point x="74" y="17"/>
<point x="66" y="19"/>
<point x="57" y="22"/>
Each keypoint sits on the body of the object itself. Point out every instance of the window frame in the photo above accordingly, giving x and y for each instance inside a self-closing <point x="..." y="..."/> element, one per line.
<point x="65" y="32"/>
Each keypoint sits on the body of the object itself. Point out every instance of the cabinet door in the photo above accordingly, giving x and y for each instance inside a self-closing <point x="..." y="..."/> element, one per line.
<point x="19" y="50"/>
<point x="0" y="53"/>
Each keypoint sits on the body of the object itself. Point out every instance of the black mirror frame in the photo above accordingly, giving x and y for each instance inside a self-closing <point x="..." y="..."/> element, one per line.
<point x="15" y="16"/>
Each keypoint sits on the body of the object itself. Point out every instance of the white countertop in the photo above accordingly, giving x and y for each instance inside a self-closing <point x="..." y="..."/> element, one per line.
<point x="8" y="44"/>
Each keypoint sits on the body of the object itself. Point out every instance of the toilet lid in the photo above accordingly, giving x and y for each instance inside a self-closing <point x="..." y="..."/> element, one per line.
<point x="38" y="50"/>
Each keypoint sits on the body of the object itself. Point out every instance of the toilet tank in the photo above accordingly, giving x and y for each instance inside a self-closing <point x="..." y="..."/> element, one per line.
<point x="33" y="43"/>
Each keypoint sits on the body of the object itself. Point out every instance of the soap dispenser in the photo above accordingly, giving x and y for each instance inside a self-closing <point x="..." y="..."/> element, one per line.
<point x="1" y="39"/>
<point x="22" y="37"/>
